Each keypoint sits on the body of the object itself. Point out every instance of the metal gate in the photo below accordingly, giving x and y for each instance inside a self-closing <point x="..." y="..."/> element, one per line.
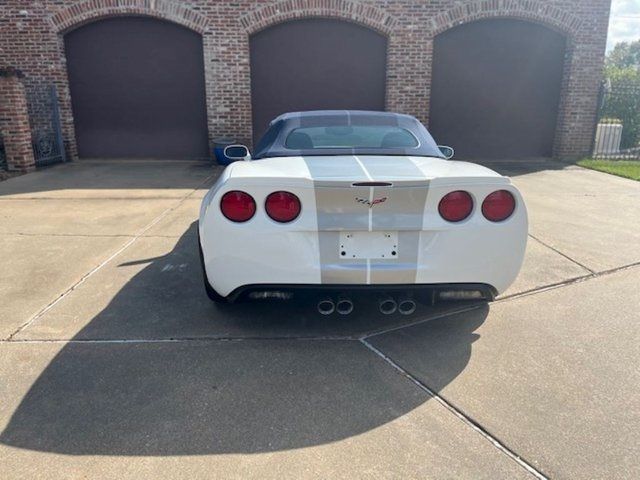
<point x="46" y="131"/>
<point x="617" y="133"/>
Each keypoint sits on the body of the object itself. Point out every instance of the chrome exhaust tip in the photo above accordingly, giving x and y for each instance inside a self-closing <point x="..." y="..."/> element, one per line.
<point x="387" y="305"/>
<point x="344" y="306"/>
<point x="406" y="306"/>
<point x="326" y="306"/>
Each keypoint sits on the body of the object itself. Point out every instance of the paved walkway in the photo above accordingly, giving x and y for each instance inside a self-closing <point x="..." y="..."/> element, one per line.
<point x="113" y="364"/>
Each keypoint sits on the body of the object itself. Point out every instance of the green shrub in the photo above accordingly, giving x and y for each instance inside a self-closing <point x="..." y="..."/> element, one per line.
<point x="622" y="102"/>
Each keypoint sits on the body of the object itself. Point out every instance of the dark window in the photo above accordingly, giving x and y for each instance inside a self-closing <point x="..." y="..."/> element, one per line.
<point x="269" y="137"/>
<point x="357" y="136"/>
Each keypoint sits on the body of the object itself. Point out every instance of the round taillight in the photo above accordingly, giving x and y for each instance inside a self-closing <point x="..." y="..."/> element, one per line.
<point x="238" y="206"/>
<point x="498" y="206"/>
<point x="456" y="206"/>
<point x="282" y="207"/>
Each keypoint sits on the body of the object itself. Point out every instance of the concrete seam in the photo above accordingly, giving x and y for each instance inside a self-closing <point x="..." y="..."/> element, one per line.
<point x="465" y="419"/>
<point x="205" y="339"/>
<point x="82" y="235"/>
<point x="566" y="283"/>
<point x="361" y="337"/>
<point x="81" y="199"/>
<point x="562" y="254"/>
<point x="105" y="262"/>
<point x="66" y="235"/>
<point x="375" y="333"/>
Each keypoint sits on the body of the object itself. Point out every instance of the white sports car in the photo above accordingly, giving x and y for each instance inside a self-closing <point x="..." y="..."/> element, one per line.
<point x="334" y="202"/>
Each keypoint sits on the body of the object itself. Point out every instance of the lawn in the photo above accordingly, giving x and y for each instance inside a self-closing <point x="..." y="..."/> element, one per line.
<point x="622" y="168"/>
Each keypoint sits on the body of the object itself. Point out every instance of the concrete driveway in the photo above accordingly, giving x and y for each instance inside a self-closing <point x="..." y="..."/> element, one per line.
<point x="113" y="364"/>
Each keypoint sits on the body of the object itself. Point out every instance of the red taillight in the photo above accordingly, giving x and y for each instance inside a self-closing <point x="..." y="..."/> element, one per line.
<point x="238" y="206"/>
<point x="282" y="207"/>
<point x="498" y="206"/>
<point x="456" y="206"/>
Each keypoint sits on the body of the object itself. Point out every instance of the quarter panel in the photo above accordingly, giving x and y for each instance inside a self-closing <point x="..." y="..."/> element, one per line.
<point x="260" y="250"/>
<point x="474" y="250"/>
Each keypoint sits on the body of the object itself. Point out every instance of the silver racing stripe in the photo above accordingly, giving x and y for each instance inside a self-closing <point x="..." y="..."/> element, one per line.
<point x="338" y="211"/>
<point x="333" y="170"/>
<point x="377" y="168"/>
<point x="343" y="207"/>
<point x="333" y="268"/>
<point x="404" y="268"/>
<point x="402" y="212"/>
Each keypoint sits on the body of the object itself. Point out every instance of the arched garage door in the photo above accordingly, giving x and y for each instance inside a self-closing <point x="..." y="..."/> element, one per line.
<point x="137" y="89"/>
<point x="496" y="89"/>
<point x="315" y="64"/>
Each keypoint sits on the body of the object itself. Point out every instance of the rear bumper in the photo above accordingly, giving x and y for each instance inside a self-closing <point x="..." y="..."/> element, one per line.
<point x="430" y="290"/>
<point x="238" y="263"/>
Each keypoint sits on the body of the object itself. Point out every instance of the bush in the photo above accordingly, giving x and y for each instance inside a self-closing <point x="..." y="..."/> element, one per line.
<point x="622" y="103"/>
<point x="611" y="121"/>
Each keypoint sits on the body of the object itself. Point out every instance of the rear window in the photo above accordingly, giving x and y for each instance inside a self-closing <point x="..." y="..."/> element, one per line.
<point x="348" y="137"/>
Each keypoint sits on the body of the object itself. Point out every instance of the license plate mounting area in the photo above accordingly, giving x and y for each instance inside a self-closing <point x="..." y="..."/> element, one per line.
<point x="368" y="245"/>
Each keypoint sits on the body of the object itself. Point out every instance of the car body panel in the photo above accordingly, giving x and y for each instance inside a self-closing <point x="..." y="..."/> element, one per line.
<point x="307" y="250"/>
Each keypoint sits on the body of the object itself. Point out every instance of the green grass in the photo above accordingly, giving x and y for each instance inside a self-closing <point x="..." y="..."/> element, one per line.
<point x="622" y="168"/>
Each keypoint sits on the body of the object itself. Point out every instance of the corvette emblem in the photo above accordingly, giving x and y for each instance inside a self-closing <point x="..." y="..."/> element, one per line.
<point x="371" y="203"/>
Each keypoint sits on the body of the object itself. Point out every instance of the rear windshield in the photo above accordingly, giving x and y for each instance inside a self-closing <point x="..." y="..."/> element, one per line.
<point x="350" y="137"/>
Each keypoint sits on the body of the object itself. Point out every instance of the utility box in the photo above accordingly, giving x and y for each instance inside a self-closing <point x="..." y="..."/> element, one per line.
<point x="608" y="138"/>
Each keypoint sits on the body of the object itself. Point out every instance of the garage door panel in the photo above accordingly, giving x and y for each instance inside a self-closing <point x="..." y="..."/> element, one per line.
<point x="496" y="88"/>
<point x="316" y="64"/>
<point x="137" y="89"/>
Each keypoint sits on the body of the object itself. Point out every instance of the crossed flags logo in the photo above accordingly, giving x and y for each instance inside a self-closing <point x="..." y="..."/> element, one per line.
<point x="371" y="203"/>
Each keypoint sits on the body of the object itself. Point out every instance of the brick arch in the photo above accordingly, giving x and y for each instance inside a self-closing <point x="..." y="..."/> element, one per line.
<point x="90" y="10"/>
<point x="531" y="10"/>
<point x="286" y="10"/>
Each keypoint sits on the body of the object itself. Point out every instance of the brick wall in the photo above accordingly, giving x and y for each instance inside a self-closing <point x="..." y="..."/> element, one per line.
<point x="14" y="123"/>
<point x="31" y="39"/>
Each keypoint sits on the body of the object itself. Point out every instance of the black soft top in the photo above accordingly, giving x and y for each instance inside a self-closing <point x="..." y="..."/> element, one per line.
<point x="274" y="142"/>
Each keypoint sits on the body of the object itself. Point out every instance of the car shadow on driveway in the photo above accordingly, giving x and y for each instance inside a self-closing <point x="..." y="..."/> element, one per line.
<point x="162" y="371"/>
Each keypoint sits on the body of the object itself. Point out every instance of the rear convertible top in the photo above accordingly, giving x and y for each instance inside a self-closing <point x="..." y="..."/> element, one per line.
<point x="272" y="143"/>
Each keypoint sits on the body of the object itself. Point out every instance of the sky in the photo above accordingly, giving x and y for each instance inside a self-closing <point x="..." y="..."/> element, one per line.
<point x="624" y="25"/>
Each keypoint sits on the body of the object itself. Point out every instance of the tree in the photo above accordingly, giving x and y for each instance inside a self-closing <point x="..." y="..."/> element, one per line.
<point x="622" y="95"/>
<point x="625" y="55"/>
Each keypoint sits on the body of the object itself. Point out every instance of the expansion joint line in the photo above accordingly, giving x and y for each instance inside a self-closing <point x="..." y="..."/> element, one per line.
<point x="468" y="421"/>
<point x="87" y="275"/>
<point x="562" y="254"/>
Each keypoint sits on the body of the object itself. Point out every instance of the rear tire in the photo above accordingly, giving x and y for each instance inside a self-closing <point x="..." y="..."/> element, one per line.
<point x="211" y="293"/>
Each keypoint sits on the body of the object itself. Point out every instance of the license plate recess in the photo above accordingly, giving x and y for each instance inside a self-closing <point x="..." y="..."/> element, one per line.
<point x="368" y="245"/>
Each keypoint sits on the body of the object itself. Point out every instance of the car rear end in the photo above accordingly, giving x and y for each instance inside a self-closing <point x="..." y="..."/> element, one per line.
<point x="283" y="225"/>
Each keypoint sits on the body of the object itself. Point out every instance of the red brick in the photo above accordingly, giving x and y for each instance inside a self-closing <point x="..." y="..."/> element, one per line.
<point x="34" y="44"/>
<point x="14" y="124"/>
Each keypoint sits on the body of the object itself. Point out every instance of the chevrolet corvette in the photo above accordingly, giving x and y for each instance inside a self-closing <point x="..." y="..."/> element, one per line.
<point x="339" y="202"/>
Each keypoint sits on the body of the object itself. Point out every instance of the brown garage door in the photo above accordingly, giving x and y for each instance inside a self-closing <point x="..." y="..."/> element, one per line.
<point x="137" y="89"/>
<point x="496" y="88"/>
<point x="316" y="64"/>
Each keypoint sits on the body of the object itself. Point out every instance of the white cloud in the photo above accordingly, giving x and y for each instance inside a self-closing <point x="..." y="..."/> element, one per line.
<point x="624" y="25"/>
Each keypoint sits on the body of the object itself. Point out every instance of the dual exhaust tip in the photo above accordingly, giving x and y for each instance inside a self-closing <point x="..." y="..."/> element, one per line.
<point x="404" y="305"/>
<point x="343" y="305"/>
<point x="387" y="305"/>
